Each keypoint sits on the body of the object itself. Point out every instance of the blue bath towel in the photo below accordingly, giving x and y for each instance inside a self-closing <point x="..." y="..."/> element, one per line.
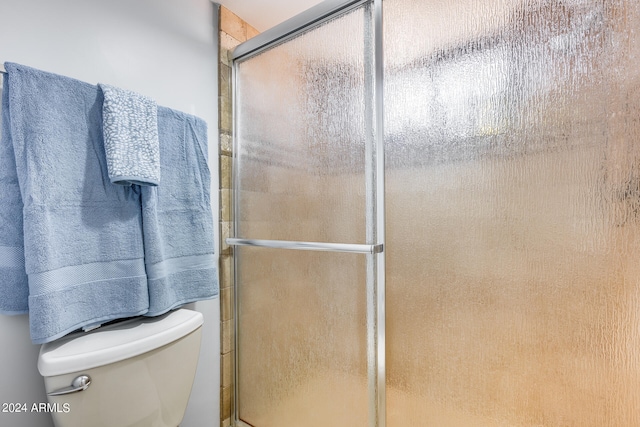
<point x="177" y="217"/>
<point x="14" y="286"/>
<point x="83" y="243"/>
<point x="130" y="137"/>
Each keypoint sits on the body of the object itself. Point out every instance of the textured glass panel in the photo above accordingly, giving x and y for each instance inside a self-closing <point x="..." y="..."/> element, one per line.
<point x="302" y="123"/>
<point x="513" y="212"/>
<point x="302" y="340"/>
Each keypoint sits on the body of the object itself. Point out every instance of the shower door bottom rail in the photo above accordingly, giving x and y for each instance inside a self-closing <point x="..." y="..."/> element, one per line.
<point x="308" y="246"/>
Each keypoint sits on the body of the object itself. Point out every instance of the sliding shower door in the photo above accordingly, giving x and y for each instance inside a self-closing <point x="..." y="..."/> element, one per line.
<point x="513" y="212"/>
<point x="305" y="227"/>
<point x="512" y="219"/>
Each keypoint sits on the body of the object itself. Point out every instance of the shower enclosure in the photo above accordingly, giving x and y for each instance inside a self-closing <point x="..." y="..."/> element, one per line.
<point x="437" y="215"/>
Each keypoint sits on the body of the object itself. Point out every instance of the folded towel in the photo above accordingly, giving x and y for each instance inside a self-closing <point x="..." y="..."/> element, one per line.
<point x="14" y="286"/>
<point x="177" y="218"/>
<point x="130" y="137"/>
<point x="83" y="246"/>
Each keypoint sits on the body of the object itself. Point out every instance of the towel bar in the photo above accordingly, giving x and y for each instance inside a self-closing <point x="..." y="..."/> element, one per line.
<point x="308" y="246"/>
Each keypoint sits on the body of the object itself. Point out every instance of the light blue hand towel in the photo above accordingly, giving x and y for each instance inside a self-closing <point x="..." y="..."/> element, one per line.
<point x="14" y="287"/>
<point x="130" y="137"/>
<point x="177" y="217"/>
<point x="83" y="246"/>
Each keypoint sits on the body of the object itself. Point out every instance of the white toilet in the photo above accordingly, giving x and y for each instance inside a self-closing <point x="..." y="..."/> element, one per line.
<point x="134" y="373"/>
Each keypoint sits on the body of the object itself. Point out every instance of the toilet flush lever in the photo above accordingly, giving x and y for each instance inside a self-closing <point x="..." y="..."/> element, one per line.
<point x="79" y="383"/>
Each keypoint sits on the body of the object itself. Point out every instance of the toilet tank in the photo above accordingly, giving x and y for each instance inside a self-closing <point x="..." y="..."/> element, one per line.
<point x="141" y="371"/>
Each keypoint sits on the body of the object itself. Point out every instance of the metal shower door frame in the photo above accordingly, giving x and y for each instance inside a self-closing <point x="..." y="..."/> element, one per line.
<point x="375" y="188"/>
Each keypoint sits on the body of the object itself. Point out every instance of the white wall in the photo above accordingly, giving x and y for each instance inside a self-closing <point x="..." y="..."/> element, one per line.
<point x="164" y="49"/>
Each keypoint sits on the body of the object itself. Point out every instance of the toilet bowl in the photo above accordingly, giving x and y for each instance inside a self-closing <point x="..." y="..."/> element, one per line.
<point x="133" y="373"/>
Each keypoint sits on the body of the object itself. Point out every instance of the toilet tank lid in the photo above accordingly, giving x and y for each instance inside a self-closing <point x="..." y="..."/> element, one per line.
<point x="115" y="342"/>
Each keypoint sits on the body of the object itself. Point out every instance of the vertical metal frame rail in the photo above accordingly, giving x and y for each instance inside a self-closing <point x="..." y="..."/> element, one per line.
<point x="381" y="363"/>
<point x="375" y="173"/>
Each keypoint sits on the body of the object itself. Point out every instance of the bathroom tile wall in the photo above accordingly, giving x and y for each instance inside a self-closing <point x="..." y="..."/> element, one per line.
<point x="233" y="31"/>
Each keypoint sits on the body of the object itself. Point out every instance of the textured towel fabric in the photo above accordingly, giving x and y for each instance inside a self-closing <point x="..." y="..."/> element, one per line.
<point x="130" y="137"/>
<point x="71" y="242"/>
<point x="177" y="218"/>
<point x="14" y="286"/>
<point x="83" y="244"/>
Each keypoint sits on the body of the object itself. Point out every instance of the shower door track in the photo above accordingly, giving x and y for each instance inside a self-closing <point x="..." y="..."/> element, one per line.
<point x="292" y="27"/>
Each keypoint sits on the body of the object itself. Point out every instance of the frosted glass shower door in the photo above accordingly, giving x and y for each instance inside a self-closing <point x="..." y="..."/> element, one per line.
<point x="304" y="156"/>
<point x="513" y="213"/>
